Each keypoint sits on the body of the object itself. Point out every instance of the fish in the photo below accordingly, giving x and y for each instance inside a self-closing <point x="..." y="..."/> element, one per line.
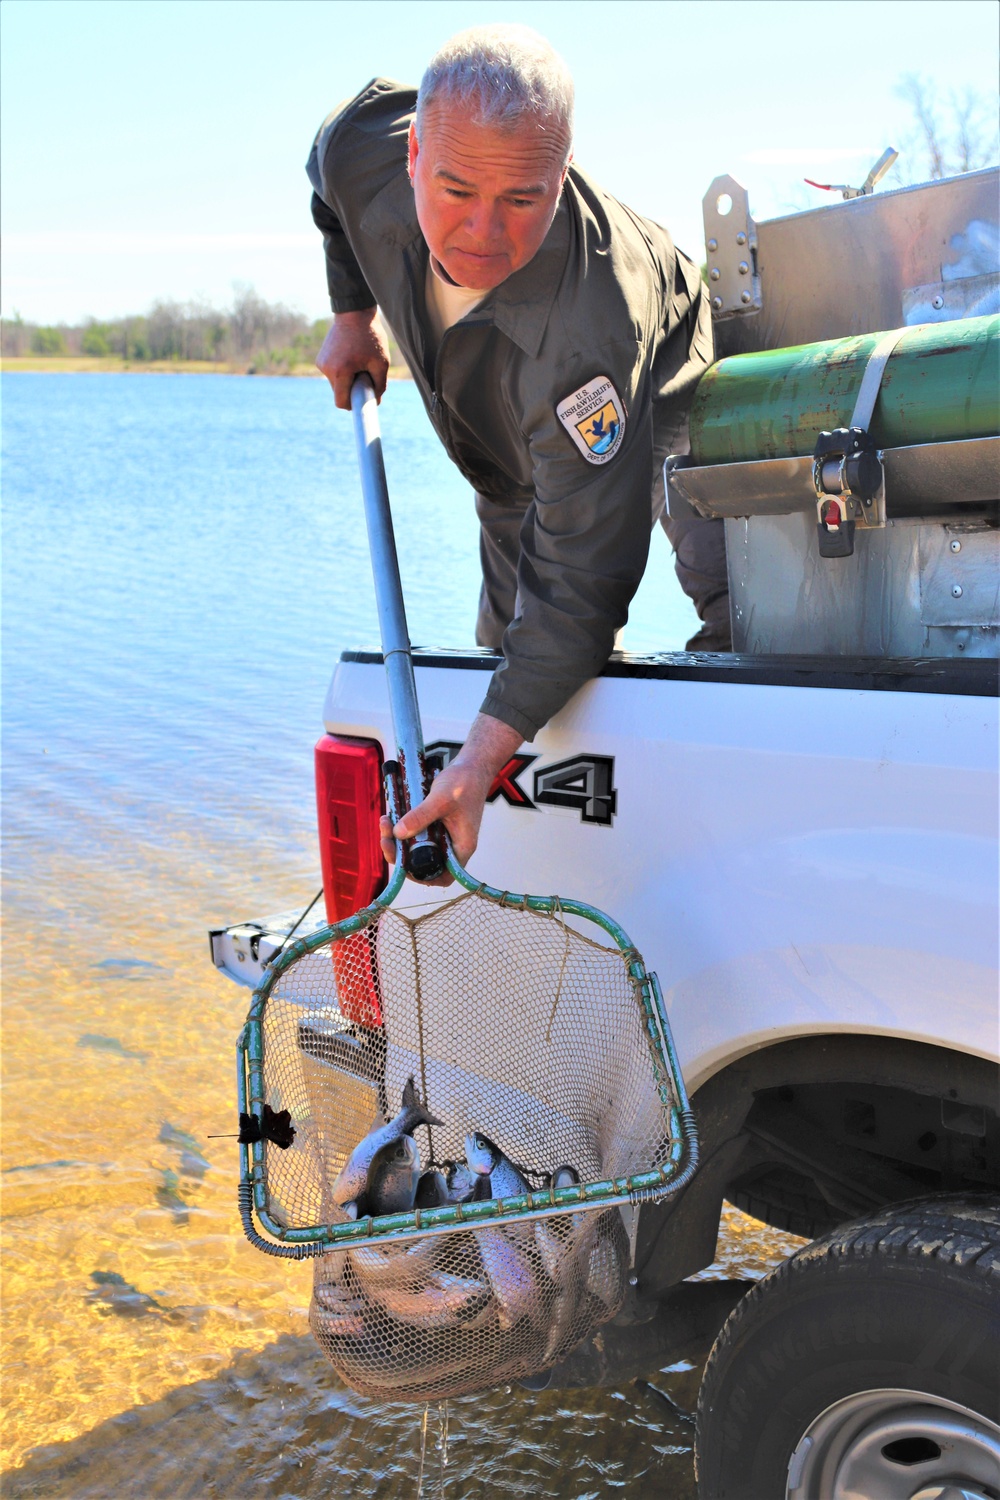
<point x="514" y="1282"/>
<point x="489" y="1161"/>
<point x="552" y="1239"/>
<point x="337" y="1311"/>
<point x="194" y="1163"/>
<point x="396" y="1262"/>
<point x="554" y="1236"/>
<point x="168" y="1197"/>
<point x="432" y="1191"/>
<point x="464" y="1185"/>
<point x="108" y="1044"/>
<point x="393" y="1177"/>
<point x="353" y="1179"/>
<point x="604" y="1272"/>
<point x="436" y="1303"/>
<point x="120" y="1297"/>
<point x="564" y="1310"/>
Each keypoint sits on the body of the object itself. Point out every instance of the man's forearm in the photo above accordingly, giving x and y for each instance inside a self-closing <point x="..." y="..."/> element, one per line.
<point x="488" y="747"/>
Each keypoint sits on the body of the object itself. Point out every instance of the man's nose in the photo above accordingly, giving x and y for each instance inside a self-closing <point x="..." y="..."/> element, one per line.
<point x="485" y="221"/>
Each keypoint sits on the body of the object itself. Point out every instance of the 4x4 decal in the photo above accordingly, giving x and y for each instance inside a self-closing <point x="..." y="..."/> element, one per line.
<point x="584" y="783"/>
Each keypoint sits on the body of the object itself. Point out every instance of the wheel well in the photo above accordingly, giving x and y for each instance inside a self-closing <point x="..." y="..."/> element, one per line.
<point x="813" y="1132"/>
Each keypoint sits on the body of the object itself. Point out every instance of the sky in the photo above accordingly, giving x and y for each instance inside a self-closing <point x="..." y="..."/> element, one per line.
<point x="154" y="149"/>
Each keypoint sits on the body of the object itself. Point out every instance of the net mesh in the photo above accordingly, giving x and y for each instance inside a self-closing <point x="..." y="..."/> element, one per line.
<point x="512" y="1023"/>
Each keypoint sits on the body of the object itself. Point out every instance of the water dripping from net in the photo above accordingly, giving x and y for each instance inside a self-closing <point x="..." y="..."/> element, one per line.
<point x="442" y="1444"/>
<point x="423" y="1452"/>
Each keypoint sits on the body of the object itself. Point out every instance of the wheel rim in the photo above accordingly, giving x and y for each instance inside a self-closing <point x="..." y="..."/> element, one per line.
<point x="898" y="1445"/>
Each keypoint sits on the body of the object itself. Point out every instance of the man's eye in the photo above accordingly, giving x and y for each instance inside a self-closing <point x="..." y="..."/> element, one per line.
<point x="523" y="202"/>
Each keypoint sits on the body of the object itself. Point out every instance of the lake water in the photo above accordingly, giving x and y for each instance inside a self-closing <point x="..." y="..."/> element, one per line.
<point x="184" y="559"/>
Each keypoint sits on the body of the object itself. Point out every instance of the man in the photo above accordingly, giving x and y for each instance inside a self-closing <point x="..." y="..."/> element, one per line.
<point x="556" y="339"/>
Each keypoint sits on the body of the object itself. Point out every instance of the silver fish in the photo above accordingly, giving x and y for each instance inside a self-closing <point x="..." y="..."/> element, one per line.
<point x="397" y="1262"/>
<point x="513" y="1280"/>
<point x="558" y="1238"/>
<point x="464" y="1185"/>
<point x="604" y="1272"/>
<point x="336" y="1311"/>
<point x="489" y="1161"/>
<point x="432" y="1190"/>
<point x="564" y="1312"/>
<point x="353" y="1179"/>
<point x="436" y="1304"/>
<point x="552" y="1237"/>
<point x="393" y="1177"/>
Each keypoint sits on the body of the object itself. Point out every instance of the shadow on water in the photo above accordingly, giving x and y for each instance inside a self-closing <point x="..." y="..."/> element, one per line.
<point x="279" y="1423"/>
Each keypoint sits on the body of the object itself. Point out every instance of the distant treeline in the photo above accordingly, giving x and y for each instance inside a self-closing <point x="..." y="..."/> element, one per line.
<point x="253" y="334"/>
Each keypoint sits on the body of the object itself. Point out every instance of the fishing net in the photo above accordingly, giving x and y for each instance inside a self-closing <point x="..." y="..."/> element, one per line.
<point x="531" y="1021"/>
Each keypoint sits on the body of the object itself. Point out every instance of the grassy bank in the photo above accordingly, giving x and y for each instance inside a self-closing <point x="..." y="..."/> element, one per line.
<point x="84" y="364"/>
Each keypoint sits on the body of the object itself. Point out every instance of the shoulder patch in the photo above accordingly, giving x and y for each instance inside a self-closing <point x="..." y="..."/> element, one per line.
<point x="594" y="417"/>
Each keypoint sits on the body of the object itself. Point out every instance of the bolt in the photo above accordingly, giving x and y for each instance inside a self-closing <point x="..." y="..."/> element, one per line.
<point x="717" y="303"/>
<point x="956" y="546"/>
<point x="713" y="244"/>
<point x="938" y="302"/>
<point x="745" y="297"/>
<point x="633" y="1280"/>
<point x="744" y="268"/>
<point x="714" y="273"/>
<point x="741" y="238"/>
<point x="956" y="591"/>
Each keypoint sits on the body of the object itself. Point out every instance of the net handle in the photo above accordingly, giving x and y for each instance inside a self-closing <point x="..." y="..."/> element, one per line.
<point x="423" y="854"/>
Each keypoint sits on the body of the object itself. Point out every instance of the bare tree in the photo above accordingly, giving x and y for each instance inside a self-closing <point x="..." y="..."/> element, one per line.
<point x="958" y="134"/>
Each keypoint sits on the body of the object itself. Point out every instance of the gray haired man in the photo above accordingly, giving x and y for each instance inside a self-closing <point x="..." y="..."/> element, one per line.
<point x="555" y="338"/>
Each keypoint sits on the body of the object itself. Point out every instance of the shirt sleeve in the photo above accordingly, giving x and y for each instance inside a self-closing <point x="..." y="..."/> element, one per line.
<point x="349" y="291"/>
<point x="584" y="545"/>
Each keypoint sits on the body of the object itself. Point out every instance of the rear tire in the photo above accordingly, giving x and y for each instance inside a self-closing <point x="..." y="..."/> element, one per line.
<point x="868" y="1359"/>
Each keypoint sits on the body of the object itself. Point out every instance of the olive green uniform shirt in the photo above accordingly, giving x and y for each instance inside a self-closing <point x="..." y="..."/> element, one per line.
<point x="607" y="295"/>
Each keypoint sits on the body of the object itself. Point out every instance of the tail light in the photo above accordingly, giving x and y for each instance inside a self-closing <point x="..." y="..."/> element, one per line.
<point x="349" y="801"/>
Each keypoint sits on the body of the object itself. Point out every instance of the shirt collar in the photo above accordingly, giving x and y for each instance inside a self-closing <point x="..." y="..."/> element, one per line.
<point x="520" y="306"/>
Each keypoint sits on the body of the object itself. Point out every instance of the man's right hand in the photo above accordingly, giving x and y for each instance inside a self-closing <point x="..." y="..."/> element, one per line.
<point x="355" y="345"/>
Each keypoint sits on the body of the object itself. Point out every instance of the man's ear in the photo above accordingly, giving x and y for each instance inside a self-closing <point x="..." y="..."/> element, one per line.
<point x="413" y="150"/>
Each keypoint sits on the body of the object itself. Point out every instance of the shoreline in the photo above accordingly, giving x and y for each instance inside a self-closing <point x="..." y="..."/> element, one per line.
<point x="82" y="364"/>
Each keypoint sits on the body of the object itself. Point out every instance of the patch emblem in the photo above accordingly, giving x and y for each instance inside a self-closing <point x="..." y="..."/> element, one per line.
<point x="594" y="417"/>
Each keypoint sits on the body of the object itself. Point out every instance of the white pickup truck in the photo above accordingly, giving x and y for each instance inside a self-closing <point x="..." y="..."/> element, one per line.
<point x="801" y="839"/>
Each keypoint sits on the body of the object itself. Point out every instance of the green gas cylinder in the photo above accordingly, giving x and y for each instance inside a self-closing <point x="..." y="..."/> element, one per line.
<point x="942" y="383"/>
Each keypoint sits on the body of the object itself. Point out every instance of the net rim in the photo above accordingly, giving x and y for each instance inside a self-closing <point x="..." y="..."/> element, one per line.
<point x="653" y="1185"/>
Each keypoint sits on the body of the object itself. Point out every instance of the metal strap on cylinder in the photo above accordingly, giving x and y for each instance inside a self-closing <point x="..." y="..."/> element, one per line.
<point x="871" y="381"/>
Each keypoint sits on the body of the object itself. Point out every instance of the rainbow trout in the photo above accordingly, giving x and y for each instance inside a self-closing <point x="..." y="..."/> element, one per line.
<point x="437" y="1303"/>
<point x="488" y="1160"/>
<point x="393" y="1177"/>
<point x="353" y="1179"/>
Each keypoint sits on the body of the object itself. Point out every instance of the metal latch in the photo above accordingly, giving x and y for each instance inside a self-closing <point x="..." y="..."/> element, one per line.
<point x="874" y="177"/>
<point x="848" y="479"/>
<point x="847" y="467"/>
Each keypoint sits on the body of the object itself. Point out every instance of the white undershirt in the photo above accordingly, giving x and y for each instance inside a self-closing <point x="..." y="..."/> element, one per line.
<point x="447" y="302"/>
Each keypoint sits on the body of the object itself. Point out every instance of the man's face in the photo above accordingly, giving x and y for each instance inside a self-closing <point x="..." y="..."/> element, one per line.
<point x="485" y="198"/>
